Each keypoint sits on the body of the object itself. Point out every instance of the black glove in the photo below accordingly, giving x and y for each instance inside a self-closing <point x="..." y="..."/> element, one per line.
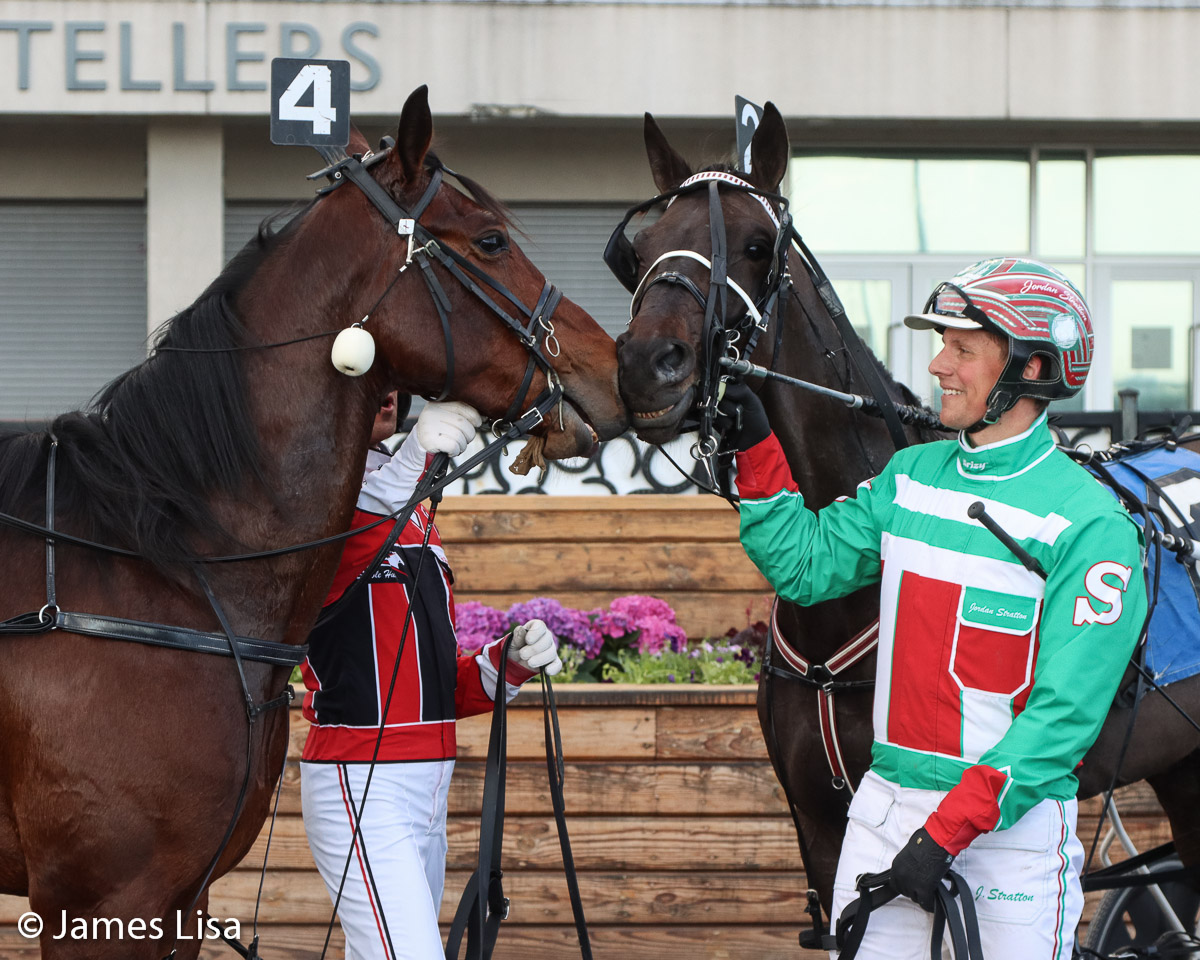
<point x="919" y="868"/>
<point x="742" y="416"/>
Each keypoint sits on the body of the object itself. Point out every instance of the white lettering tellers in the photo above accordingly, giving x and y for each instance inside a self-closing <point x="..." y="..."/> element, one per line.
<point x="1102" y="591"/>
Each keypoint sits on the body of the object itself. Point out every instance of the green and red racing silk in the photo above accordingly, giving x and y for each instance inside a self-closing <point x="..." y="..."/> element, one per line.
<point x="990" y="683"/>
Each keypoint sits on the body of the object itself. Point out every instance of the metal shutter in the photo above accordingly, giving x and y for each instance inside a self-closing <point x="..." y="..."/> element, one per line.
<point x="566" y="242"/>
<point x="72" y="302"/>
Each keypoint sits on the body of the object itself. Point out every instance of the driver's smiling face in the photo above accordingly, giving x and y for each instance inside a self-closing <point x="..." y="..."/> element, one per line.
<point x="967" y="367"/>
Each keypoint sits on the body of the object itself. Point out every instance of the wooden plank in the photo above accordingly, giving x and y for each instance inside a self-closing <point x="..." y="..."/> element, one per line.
<point x="726" y="734"/>
<point x="541" y="897"/>
<point x="1137" y="799"/>
<point x="499" y="518"/>
<point x="635" y="843"/>
<point x="622" y="566"/>
<point x="624" y="695"/>
<point x="701" y="614"/>
<point x="588" y="733"/>
<point x="632" y="843"/>
<point x="598" y="843"/>
<point x="743" y="788"/>
<point x="644" y="942"/>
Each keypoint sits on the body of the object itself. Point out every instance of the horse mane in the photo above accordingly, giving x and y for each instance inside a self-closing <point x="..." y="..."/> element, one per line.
<point x="137" y="467"/>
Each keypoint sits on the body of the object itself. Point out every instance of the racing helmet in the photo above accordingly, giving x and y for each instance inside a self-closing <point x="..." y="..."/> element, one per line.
<point x="1035" y="308"/>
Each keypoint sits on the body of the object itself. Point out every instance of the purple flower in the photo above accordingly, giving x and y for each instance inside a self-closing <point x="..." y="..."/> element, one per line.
<point x="477" y="625"/>
<point x="572" y="626"/>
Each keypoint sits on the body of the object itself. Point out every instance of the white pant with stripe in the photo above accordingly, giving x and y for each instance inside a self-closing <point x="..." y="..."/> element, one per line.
<point x="1025" y="879"/>
<point x="393" y="890"/>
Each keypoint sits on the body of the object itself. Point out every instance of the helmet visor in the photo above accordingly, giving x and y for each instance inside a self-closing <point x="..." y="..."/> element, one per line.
<point x="949" y="306"/>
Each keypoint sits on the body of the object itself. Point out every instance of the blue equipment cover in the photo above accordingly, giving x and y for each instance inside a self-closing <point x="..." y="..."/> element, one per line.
<point x="1173" y="646"/>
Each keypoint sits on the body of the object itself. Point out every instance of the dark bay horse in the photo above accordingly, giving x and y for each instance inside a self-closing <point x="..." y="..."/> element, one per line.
<point x="830" y="449"/>
<point x="120" y="763"/>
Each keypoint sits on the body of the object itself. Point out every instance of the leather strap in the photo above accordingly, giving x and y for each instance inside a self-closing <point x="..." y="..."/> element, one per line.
<point x="821" y="676"/>
<point x="875" y="890"/>
<point x="178" y="638"/>
<point x="555" y="766"/>
<point x="483" y="905"/>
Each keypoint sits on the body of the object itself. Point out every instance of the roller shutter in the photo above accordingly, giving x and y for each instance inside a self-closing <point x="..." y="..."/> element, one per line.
<point x="72" y="302"/>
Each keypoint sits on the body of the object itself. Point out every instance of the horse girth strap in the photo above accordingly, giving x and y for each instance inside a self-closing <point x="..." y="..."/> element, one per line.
<point x="157" y="635"/>
<point x="51" y="618"/>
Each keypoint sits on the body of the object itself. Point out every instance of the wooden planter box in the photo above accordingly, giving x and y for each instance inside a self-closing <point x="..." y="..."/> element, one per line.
<point x="682" y="841"/>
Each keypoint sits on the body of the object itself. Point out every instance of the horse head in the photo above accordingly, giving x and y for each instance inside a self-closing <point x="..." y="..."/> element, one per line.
<point x="661" y="355"/>
<point x="450" y="328"/>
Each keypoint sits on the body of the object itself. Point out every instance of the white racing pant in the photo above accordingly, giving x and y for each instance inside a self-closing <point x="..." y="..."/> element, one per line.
<point x="393" y="890"/>
<point x="1025" y="879"/>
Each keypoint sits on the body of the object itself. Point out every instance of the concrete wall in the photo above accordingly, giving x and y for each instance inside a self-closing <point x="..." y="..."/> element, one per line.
<point x="609" y="60"/>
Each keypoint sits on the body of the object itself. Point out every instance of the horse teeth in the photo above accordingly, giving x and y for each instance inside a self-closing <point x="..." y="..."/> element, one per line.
<point x="653" y="415"/>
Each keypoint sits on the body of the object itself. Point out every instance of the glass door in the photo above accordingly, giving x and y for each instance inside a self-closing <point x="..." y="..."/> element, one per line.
<point x="1146" y="318"/>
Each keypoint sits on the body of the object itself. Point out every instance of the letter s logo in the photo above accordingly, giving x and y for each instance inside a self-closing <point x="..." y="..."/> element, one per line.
<point x="1103" y="591"/>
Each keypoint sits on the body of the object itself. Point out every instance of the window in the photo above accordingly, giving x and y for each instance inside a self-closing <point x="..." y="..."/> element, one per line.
<point x="888" y="228"/>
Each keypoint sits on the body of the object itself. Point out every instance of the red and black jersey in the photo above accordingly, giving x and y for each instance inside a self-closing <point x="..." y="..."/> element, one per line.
<point x="352" y="658"/>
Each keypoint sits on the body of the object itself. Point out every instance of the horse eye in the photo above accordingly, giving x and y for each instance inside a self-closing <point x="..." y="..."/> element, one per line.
<point x="492" y="243"/>
<point x="756" y="250"/>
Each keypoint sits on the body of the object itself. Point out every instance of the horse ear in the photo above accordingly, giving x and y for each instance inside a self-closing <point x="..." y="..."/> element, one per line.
<point x="769" y="150"/>
<point x="415" y="133"/>
<point x="668" y="168"/>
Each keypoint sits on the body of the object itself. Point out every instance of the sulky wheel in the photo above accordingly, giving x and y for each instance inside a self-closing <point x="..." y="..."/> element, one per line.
<point x="1130" y="917"/>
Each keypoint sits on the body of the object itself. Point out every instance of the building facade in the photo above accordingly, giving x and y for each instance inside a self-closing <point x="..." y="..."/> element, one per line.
<point x="135" y="156"/>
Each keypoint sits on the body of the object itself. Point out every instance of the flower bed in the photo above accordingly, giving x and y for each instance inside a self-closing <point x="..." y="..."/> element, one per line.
<point x="634" y="640"/>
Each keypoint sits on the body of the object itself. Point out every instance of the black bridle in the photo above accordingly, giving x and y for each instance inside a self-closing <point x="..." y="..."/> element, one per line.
<point x="728" y="338"/>
<point x="725" y="334"/>
<point x="537" y="335"/>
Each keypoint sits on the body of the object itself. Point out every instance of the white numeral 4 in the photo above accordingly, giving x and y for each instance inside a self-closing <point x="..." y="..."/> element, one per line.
<point x="322" y="113"/>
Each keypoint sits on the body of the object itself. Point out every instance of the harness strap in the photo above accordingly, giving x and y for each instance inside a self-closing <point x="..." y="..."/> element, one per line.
<point x="821" y="676"/>
<point x="52" y="459"/>
<point x="442" y="303"/>
<point x="555" y="766"/>
<point x="483" y="905"/>
<point x="179" y="638"/>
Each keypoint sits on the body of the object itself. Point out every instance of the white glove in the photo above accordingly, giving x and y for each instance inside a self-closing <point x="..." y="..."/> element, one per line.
<point x="534" y="647"/>
<point x="447" y="427"/>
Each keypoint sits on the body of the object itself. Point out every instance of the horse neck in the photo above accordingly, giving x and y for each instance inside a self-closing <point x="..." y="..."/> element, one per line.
<point x="829" y="447"/>
<point x="314" y="428"/>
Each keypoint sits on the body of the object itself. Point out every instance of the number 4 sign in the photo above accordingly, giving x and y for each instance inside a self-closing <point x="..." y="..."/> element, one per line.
<point x="310" y="102"/>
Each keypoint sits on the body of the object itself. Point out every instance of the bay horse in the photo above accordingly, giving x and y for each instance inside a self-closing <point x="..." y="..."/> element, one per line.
<point x="121" y="763"/>
<point x="830" y="448"/>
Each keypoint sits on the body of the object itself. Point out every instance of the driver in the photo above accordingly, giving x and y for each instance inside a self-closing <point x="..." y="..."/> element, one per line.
<point x="991" y="682"/>
<point x="393" y="885"/>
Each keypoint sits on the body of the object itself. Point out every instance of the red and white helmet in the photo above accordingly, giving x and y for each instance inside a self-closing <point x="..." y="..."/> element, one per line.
<point x="1039" y="312"/>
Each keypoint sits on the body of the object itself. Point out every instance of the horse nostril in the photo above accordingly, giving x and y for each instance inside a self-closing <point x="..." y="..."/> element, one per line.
<point x="669" y="363"/>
